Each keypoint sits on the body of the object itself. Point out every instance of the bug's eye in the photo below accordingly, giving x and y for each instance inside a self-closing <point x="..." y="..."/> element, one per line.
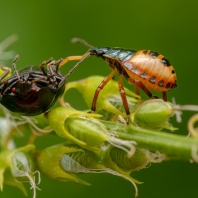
<point x="13" y="90"/>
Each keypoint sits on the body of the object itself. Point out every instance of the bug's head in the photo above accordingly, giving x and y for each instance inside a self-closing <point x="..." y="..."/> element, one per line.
<point x="99" y="51"/>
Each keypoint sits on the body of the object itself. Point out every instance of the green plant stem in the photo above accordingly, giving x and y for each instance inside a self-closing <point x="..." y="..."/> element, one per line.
<point x="174" y="146"/>
<point x="171" y="145"/>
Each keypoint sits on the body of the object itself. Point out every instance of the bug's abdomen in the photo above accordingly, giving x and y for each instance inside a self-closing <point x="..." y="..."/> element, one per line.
<point x="152" y="69"/>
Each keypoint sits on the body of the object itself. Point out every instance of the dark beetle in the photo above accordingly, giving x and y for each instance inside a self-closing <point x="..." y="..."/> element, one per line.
<point x="33" y="90"/>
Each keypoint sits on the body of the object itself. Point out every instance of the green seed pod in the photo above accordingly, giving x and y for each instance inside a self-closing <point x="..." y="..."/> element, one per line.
<point x="152" y="113"/>
<point x="48" y="161"/>
<point x="136" y="162"/>
<point x="84" y="130"/>
<point x="81" y="162"/>
<point x="108" y="161"/>
<point x="90" y="131"/>
<point x="73" y="125"/>
<point x="62" y="162"/>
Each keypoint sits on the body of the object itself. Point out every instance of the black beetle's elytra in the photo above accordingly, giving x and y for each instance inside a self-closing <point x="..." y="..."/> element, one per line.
<point x="32" y="90"/>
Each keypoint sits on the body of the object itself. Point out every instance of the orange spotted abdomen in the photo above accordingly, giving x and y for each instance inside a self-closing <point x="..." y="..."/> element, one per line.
<point x="152" y="69"/>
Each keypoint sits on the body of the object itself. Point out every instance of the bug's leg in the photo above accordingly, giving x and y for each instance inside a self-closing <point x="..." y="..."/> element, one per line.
<point x="137" y="89"/>
<point x="45" y="73"/>
<point x="81" y="58"/>
<point x="42" y="68"/>
<point x="7" y="71"/>
<point x="52" y="66"/>
<point x="35" y="75"/>
<point x="8" y="86"/>
<point x="100" y="87"/>
<point x="41" y="79"/>
<point x="164" y="96"/>
<point x="52" y="71"/>
<point x="70" y="58"/>
<point x="123" y="96"/>
<point x="57" y="63"/>
<point x="28" y="76"/>
<point x="14" y="66"/>
<point x="141" y="85"/>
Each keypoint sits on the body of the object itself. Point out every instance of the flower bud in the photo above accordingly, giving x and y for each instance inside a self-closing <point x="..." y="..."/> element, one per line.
<point x="152" y="113"/>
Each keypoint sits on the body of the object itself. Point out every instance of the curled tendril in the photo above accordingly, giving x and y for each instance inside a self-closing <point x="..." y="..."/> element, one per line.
<point x="127" y="146"/>
<point x="13" y="121"/>
<point x="32" y="181"/>
<point x="33" y="126"/>
<point x="156" y="157"/>
<point x="16" y="121"/>
<point x="193" y="131"/>
<point x="21" y="168"/>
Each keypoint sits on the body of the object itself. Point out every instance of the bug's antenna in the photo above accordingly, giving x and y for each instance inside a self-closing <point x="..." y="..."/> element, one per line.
<point x="81" y="41"/>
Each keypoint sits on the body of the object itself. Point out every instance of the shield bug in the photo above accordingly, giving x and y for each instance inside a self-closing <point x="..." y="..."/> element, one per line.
<point x="148" y="70"/>
<point x="33" y="90"/>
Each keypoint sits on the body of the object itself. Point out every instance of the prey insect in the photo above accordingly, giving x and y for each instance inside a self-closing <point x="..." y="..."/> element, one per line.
<point x="148" y="70"/>
<point x="32" y="90"/>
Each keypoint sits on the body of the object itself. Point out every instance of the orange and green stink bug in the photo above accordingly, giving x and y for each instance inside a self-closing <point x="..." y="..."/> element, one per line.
<point x="146" y="69"/>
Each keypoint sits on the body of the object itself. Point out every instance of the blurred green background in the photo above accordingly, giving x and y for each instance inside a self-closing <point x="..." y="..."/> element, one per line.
<point x="45" y="29"/>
